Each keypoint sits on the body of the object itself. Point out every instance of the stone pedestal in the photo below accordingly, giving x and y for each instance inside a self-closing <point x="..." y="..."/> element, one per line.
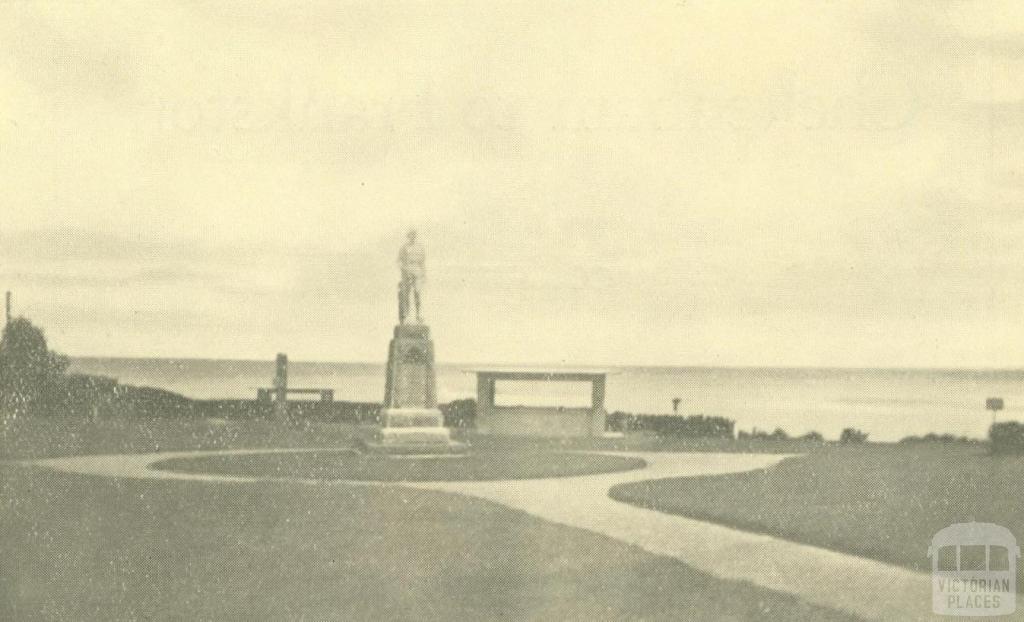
<point x="410" y="421"/>
<point x="410" y="375"/>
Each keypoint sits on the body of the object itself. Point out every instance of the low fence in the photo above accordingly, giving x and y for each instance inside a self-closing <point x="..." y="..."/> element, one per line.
<point x="331" y="412"/>
<point x="457" y="414"/>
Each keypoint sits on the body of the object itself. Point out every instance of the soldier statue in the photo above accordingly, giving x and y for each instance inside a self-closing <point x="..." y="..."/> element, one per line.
<point x="412" y="260"/>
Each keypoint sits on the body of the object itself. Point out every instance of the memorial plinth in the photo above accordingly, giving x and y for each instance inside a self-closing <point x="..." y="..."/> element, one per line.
<point x="410" y="421"/>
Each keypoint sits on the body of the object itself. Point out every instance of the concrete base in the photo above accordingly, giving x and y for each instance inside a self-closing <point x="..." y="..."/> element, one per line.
<point x="412" y="431"/>
<point x="412" y="418"/>
<point x="419" y="436"/>
<point x="410" y="422"/>
<point x="540" y="421"/>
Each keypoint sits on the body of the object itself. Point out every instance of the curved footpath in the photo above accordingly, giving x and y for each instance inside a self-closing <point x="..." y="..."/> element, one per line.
<point x="864" y="587"/>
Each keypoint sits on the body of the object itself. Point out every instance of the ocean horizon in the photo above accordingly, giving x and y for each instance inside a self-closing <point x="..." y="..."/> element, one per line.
<point x="888" y="403"/>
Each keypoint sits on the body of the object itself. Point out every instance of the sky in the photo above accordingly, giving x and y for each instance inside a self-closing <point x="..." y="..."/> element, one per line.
<point x="666" y="183"/>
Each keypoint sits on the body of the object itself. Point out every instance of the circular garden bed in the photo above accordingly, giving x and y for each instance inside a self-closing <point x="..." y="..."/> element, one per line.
<point x="349" y="465"/>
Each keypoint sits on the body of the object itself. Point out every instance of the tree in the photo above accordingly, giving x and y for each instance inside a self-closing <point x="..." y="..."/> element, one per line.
<point x="852" y="435"/>
<point x="30" y="374"/>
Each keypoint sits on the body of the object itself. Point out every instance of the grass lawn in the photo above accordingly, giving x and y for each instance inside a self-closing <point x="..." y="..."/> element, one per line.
<point x="91" y="548"/>
<point x="38" y="438"/>
<point x="879" y="501"/>
<point x="638" y="441"/>
<point x="478" y="465"/>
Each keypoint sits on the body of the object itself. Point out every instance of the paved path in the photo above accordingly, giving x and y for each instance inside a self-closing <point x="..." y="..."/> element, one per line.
<point x="864" y="587"/>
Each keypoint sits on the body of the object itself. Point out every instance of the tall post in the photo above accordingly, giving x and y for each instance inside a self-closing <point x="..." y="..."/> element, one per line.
<point x="8" y="309"/>
<point x="597" y="404"/>
<point x="481" y="392"/>
<point x="281" y="388"/>
<point x="485" y="391"/>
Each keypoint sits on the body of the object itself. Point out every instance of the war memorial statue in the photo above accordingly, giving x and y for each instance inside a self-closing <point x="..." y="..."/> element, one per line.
<point x="410" y="421"/>
<point x="412" y="260"/>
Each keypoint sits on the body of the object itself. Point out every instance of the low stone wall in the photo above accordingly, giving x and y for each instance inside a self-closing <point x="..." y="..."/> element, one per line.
<point x="540" y="421"/>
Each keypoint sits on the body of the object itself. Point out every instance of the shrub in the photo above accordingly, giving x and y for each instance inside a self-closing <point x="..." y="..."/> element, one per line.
<point x="30" y="374"/>
<point x="697" y="426"/>
<point x="932" y="437"/>
<point x="1007" y="437"/>
<point x="813" y="437"/>
<point x="619" y="421"/>
<point x="459" y="413"/>
<point x="760" y="435"/>
<point x="853" y="435"/>
<point x="87" y="396"/>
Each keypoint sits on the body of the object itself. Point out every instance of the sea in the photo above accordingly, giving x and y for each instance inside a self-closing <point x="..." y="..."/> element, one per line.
<point x="888" y="404"/>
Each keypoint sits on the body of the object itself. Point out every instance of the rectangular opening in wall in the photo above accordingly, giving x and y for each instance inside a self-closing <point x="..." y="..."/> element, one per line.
<point x="539" y="393"/>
